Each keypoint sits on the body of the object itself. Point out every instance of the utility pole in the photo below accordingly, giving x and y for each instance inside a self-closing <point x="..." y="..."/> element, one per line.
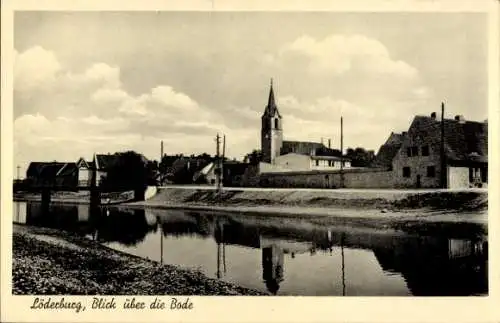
<point x="341" y="152"/>
<point x="442" y="152"/>
<point x="18" y="167"/>
<point x="222" y="161"/>
<point x="218" y="167"/>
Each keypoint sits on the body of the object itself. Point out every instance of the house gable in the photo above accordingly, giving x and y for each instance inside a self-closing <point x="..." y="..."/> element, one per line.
<point x="389" y="150"/>
<point x="81" y="163"/>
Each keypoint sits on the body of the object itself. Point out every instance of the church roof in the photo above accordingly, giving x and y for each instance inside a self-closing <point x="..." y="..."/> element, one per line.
<point x="271" y="108"/>
<point x="300" y="147"/>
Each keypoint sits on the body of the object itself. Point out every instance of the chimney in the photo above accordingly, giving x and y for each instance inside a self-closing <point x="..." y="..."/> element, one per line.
<point x="433" y="115"/>
<point x="460" y="118"/>
<point x="329" y="143"/>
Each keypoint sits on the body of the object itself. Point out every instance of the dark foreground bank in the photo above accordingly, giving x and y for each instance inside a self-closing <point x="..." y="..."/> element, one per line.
<point x="52" y="262"/>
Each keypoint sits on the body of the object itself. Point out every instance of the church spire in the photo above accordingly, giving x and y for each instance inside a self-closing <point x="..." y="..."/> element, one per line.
<point x="271" y="108"/>
<point x="270" y="102"/>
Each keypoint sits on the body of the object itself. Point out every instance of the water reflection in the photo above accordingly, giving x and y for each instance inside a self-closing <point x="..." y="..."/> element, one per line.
<point x="283" y="257"/>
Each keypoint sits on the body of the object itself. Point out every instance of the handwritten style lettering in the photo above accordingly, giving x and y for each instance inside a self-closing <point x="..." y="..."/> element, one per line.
<point x="49" y="304"/>
<point x="179" y="305"/>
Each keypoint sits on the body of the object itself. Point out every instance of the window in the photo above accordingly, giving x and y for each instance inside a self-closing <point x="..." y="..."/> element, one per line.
<point x="276" y="124"/>
<point x="484" y="174"/>
<point x="317" y="162"/>
<point x="412" y="151"/>
<point x="431" y="171"/>
<point x="406" y="172"/>
<point x="425" y="150"/>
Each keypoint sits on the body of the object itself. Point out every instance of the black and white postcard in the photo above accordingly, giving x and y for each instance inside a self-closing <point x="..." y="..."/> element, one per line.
<point x="156" y="153"/>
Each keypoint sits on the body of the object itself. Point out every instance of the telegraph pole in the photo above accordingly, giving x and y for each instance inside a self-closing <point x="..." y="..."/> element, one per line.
<point x="341" y="152"/>
<point x="18" y="167"/>
<point x="218" y="167"/>
<point x="442" y="152"/>
<point x="222" y="161"/>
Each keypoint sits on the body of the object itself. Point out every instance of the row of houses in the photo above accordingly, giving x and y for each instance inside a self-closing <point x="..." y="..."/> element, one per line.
<point x="69" y="174"/>
<point x="433" y="153"/>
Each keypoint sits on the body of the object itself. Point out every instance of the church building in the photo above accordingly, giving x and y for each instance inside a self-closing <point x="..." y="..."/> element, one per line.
<point x="283" y="155"/>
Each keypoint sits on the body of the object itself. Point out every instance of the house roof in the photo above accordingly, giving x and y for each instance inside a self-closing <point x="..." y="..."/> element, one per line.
<point x="389" y="149"/>
<point x="464" y="141"/>
<point x="330" y="158"/>
<point x="67" y="169"/>
<point x="82" y="163"/>
<point x="105" y="161"/>
<point x="44" y="169"/>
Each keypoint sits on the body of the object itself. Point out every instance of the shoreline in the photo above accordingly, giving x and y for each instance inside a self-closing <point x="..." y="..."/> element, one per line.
<point x="352" y="207"/>
<point x="417" y="215"/>
<point x="54" y="262"/>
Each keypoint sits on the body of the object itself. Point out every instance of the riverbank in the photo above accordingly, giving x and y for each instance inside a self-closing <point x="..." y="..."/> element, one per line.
<point x="80" y="197"/>
<point x="48" y="261"/>
<point x="375" y="208"/>
<point x="391" y="200"/>
<point x="458" y="201"/>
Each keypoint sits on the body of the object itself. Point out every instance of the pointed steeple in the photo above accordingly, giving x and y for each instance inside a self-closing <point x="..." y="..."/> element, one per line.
<point x="270" y="101"/>
<point x="271" y="108"/>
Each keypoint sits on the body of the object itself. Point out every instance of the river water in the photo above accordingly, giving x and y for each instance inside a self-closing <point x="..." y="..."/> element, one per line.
<point x="284" y="256"/>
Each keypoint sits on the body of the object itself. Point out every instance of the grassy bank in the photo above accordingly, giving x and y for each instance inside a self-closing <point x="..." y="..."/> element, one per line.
<point x="377" y="204"/>
<point x="467" y="200"/>
<point x="47" y="261"/>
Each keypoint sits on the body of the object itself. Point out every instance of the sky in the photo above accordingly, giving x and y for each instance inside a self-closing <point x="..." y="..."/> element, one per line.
<point x="99" y="82"/>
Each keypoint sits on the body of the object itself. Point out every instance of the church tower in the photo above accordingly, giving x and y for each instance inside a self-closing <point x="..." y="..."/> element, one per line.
<point x="271" y="130"/>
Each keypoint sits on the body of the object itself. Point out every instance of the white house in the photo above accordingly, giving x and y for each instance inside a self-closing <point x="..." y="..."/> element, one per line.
<point x="300" y="162"/>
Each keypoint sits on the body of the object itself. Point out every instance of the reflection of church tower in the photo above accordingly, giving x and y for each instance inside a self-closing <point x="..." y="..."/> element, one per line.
<point x="272" y="130"/>
<point x="272" y="267"/>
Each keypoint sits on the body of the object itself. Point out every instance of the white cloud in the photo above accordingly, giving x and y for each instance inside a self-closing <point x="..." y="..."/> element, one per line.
<point x="342" y="53"/>
<point x="166" y="95"/>
<point x="34" y="68"/>
<point x="107" y="96"/>
<point x="102" y="73"/>
<point x="313" y="120"/>
<point x="68" y="114"/>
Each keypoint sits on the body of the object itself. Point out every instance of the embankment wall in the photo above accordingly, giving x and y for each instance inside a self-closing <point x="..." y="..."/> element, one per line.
<point x="349" y="178"/>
